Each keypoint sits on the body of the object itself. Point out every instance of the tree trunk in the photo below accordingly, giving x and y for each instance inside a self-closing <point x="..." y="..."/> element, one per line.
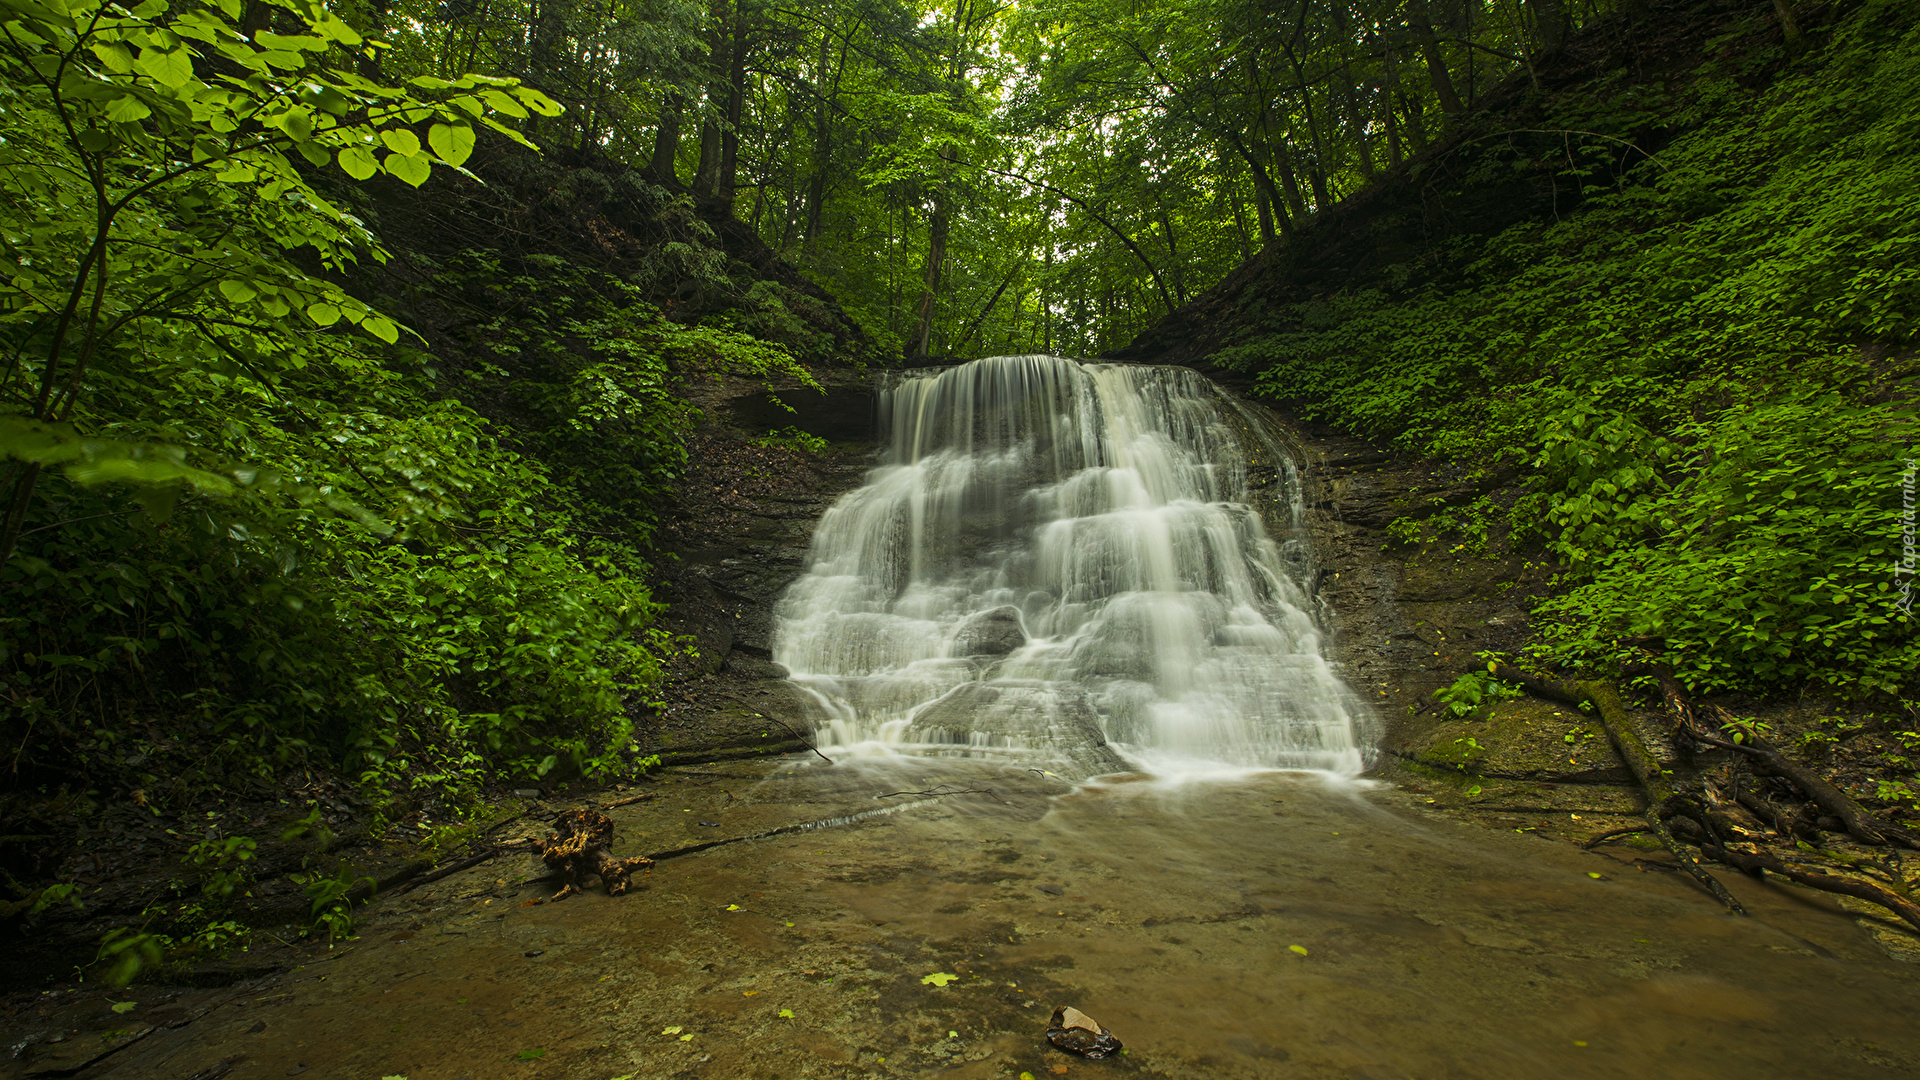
<point x="1357" y="119"/>
<point x="936" y="263"/>
<point x="706" y="174"/>
<point x="666" y="140"/>
<point x="1789" y="27"/>
<point x="1389" y="87"/>
<point x="1282" y="157"/>
<point x="822" y="148"/>
<point x="727" y="182"/>
<point x="1263" y="205"/>
<point x="1549" y="25"/>
<point x="1416" y="121"/>
<point x="1421" y="27"/>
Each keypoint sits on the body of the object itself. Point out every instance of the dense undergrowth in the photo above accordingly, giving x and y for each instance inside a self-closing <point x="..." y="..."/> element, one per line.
<point x="1701" y="367"/>
<point x="309" y="500"/>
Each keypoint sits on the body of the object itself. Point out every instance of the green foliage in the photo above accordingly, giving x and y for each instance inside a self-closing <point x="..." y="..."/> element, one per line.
<point x="1472" y="690"/>
<point x="235" y="503"/>
<point x="330" y="902"/>
<point x="792" y="438"/>
<point x="593" y="368"/>
<point x="126" y="952"/>
<point x="222" y="865"/>
<point x="1700" y="367"/>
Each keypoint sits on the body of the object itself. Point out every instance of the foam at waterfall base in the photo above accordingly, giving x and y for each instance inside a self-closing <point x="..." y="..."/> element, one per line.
<point x="1063" y="564"/>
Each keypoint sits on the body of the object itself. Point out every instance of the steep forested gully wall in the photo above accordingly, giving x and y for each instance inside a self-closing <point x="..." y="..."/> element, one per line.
<point x="348" y="478"/>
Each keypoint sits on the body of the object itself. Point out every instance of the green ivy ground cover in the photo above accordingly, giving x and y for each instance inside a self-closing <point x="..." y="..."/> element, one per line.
<point x="1704" y="372"/>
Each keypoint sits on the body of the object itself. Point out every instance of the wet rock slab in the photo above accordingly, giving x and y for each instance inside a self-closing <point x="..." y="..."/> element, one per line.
<point x="1271" y="928"/>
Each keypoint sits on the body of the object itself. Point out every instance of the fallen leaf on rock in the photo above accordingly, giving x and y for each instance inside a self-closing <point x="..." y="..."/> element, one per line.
<point x="734" y="907"/>
<point x="674" y="1030"/>
<point x="123" y="1006"/>
<point x="1301" y="949"/>
<point x="786" y="1014"/>
<point x="938" y="978"/>
<point x="530" y="1055"/>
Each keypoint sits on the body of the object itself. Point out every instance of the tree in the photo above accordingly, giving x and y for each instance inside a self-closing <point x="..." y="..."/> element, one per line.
<point x="150" y="190"/>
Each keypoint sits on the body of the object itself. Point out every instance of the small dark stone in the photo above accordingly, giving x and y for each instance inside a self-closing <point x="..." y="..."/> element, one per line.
<point x="711" y="824"/>
<point x="296" y="1070"/>
<point x="257" y="1028"/>
<point x="537" y="952"/>
<point x="1050" y="890"/>
<point x="1077" y="1033"/>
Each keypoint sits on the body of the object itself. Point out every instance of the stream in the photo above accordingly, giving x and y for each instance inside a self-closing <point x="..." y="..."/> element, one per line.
<point x="1087" y="751"/>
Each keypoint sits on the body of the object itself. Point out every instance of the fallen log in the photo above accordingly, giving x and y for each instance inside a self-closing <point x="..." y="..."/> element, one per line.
<point x="1654" y="784"/>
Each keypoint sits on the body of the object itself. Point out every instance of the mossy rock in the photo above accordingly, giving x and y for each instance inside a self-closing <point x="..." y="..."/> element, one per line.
<point x="1524" y="739"/>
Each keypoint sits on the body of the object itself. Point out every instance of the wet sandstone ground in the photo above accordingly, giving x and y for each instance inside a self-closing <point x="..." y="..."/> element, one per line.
<point x="1262" y="926"/>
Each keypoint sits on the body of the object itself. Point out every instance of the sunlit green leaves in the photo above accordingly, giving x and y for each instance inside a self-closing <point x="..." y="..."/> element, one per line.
<point x="358" y="162"/>
<point x="170" y="68"/>
<point x="452" y="142"/>
<point x="414" y="170"/>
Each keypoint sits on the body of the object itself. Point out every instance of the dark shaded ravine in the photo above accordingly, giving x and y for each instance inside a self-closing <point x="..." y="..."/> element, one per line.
<point x="1225" y="924"/>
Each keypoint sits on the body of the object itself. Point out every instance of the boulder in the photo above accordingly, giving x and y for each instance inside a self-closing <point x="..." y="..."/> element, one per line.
<point x="990" y="633"/>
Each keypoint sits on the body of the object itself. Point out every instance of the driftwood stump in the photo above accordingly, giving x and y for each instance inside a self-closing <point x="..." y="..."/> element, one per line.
<point x="579" y="851"/>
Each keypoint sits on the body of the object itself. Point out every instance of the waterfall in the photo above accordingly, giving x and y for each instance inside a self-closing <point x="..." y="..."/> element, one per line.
<point x="1067" y="565"/>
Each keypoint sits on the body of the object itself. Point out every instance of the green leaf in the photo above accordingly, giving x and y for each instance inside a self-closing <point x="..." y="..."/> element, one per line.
<point x="938" y="978"/>
<point x="401" y="141"/>
<point x="238" y="291"/>
<point x="358" y="162"/>
<point x="414" y="170"/>
<point x="171" y="68"/>
<point x="124" y="1006"/>
<point x="452" y="142"/>
<point x="297" y="123"/>
<point x="503" y="103"/>
<point x="538" y="101"/>
<point x="127" y="109"/>
<point x="115" y="57"/>
<point x="382" y="328"/>
<point x="323" y="313"/>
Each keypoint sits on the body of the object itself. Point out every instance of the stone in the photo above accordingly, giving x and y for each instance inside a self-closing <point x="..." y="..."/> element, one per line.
<point x="990" y="633"/>
<point x="1077" y="1033"/>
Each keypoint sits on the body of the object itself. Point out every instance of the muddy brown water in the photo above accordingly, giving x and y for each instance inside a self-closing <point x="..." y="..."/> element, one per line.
<point x="1265" y="925"/>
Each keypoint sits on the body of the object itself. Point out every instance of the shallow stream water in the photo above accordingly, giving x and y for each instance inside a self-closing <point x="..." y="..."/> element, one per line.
<point x="1273" y="925"/>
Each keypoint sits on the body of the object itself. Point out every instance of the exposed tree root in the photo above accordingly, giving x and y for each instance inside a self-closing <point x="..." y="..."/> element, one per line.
<point x="1658" y="789"/>
<point x="1710" y="814"/>
<point x="579" y="851"/>
<point x="1753" y="862"/>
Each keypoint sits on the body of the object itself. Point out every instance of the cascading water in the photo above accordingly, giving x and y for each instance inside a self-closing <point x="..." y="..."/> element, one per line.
<point x="1062" y="563"/>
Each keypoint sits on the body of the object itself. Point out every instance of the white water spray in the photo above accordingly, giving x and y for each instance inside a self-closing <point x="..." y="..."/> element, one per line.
<point x="1061" y="564"/>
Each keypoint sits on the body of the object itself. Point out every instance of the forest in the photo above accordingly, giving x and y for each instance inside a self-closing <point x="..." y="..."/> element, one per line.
<point x="351" y="347"/>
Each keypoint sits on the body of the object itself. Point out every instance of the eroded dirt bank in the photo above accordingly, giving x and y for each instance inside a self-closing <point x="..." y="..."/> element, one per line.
<point x="1265" y="927"/>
